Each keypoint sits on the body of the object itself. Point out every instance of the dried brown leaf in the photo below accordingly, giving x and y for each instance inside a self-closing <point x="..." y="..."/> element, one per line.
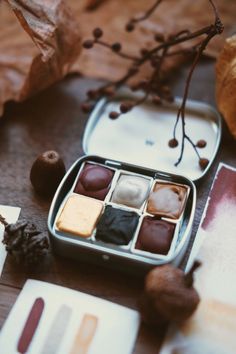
<point x="38" y="49"/>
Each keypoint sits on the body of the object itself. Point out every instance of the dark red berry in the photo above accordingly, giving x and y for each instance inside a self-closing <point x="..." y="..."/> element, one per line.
<point x="144" y="52"/>
<point x="125" y="107"/>
<point x="86" y="107"/>
<point x="92" y="94"/>
<point x="159" y="37"/>
<point x="116" y="47"/>
<point x="203" y="162"/>
<point x="97" y="33"/>
<point x="129" y="27"/>
<point x="156" y="100"/>
<point x="201" y="144"/>
<point x="173" y="143"/>
<point x="113" y="115"/>
<point x="108" y="91"/>
<point x="88" y="44"/>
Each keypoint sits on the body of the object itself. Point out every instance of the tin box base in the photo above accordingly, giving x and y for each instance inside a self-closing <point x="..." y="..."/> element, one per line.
<point x="126" y="258"/>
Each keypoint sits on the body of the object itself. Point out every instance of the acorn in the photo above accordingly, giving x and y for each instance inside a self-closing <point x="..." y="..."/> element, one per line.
<point x="46" y="173"/>
<point x="169" y="295"/>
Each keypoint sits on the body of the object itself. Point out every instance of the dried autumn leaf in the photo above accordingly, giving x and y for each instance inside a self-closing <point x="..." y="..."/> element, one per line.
<point x="47" y="48"/>
<point x="226" y="83"/>
<point x="38" y="50"/>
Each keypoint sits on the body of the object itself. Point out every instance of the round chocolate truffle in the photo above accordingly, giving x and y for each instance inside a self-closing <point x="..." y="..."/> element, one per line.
<point x="155" y="235"/>
<point x="94" y="181"/>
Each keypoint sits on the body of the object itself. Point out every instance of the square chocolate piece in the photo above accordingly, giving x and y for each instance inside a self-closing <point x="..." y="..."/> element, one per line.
<point x="94" y="181"/>
<point x="155" y="235"/>
<point x="79" y="215"/>
<point x="167" y="200"/>
<point x="131" y="191"/>
<point x="117" y="226"/>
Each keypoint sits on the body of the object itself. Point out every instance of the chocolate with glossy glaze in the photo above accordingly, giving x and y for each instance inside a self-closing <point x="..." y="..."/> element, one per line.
<point x="155" y="235"/>
<point x="94" y="181"/>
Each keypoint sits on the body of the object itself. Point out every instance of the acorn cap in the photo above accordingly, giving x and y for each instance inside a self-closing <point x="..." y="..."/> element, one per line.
<point x="46" y="173"/>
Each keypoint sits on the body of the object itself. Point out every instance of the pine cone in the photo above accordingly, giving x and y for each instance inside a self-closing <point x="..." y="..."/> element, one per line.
<point x="25" y="243"/>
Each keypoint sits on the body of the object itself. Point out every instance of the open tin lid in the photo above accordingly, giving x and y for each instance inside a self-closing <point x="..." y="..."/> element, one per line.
<point x="141" y="136"/>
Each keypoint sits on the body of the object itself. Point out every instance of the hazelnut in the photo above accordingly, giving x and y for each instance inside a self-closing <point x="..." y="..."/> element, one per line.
<point x="46" y="173"/>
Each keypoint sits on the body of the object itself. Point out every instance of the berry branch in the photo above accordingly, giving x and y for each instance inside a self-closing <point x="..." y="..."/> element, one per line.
<point x="154" y="87"/>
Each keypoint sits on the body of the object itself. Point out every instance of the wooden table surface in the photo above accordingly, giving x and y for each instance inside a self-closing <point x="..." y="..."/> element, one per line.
<point x="53" y="120"/>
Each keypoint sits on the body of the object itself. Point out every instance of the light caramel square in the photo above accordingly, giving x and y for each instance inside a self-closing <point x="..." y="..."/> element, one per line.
<point x="79" y="215"/>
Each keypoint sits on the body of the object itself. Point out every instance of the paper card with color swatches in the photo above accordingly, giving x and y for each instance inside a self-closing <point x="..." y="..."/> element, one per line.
<point x="212" y="327"/>
<point x="52" y="319"/>
<point x="11" y="215"/>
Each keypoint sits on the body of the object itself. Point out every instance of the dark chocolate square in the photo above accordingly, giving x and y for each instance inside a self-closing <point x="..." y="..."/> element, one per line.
<point x="117" y="226"/>
<point x="155" y="235"/>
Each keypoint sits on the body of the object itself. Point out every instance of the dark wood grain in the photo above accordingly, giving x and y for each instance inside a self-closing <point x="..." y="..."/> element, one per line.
<point x="53" y="120"/>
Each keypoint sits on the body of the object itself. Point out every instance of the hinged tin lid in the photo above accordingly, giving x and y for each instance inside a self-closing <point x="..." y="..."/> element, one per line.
<point x="141" y="136"/>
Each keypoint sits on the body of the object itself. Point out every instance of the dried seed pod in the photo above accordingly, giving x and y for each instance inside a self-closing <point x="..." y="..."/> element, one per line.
<point x="169" y="295"/>
<point x="47" y="172"/>
<point x="113" y="115"/>
<point x="203" y="162"/>
<point x="201" y="144"/>
<point x="129" y="27"/>
<point x="97" y="33"/>
<point x="88" y="44"/>
<point x="86" y="107"/>
<point x="125" y="107"/>
<point x="173" y="143"/>
<point x="116" y="47"/>
<point x="24" y="242"/>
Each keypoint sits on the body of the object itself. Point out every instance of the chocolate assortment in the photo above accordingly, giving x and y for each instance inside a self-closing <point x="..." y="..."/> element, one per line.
<point x="112" y="207"/>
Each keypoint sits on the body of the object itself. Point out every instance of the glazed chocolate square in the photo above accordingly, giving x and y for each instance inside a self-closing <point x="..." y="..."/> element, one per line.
<point x="117" y="226"/>
<point x="167" y="200"/>
<point x="131" y="191"/>
<point x="94" y="181"/>
<point x="155" y="235"/>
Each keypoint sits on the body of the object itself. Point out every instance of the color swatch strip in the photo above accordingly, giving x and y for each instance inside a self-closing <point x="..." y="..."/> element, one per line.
<point x="85" y="334"/>
<point x="31" y="325"/>
<point x="57" y="330"/>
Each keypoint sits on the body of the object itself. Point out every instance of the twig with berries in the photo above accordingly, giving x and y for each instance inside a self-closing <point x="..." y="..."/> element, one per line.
<point x="24" y="242"/>
<point x="154" y="87"/>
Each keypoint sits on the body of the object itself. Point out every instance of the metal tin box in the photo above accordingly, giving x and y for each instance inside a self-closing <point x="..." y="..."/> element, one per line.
<point x="109" y="140"/>
<point x="118" y="256"/>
